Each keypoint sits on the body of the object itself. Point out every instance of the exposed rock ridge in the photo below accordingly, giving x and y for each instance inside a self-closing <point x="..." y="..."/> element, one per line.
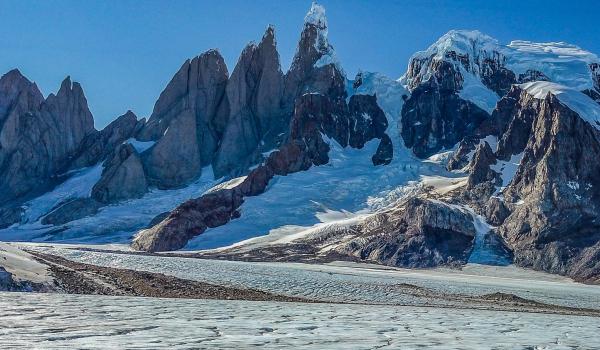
<point x="38" y="137"/>
<point x="315" y="116"/>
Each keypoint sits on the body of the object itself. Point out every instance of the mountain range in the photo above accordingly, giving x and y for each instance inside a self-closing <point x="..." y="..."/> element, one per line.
<point x="481" y="152"/>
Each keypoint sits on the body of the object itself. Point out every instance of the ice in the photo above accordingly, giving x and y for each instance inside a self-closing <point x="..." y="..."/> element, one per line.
<point x="350" y="282"/>
<point x="100" y="322"/>
<point x="578" y="102"/>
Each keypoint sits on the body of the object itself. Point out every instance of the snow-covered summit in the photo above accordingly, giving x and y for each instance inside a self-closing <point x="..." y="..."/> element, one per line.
<point x="559" y="62"/>
<point x="316" y="16"/>
<point x="575" y="100"/>
<point x="463" y="42"/>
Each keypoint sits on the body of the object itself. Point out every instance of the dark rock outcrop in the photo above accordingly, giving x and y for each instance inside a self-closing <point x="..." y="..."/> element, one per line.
<point x="434" y="117"/>
<point x="188" y="220"/>
<point x="420" y="233"/>
<point x="479" y="167"/>
<point x="385" y="151"/>
<point x="122" y="177"/>
<point x="555" y="195"/>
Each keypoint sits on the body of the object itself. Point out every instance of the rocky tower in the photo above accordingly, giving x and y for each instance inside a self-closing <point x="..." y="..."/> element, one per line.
<point x="187" y="123"/>
<point x="257" y="118"/>
<point x="38" y="138"/>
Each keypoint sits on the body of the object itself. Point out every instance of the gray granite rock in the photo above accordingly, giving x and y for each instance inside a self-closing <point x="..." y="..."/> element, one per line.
<point x="122" y="177"/>
<point x="187" y="122"/>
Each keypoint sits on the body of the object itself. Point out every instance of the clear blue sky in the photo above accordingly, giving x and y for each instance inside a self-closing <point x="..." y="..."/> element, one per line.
<point x="124" y="52"/>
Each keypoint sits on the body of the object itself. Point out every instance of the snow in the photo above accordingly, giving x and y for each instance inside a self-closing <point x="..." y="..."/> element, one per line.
<point x="113" y="223"/>
<point x="22" y="266"/>
<point x="474" y="91"/>
<point x="150" y="323"/>
<point x="507" y="170"/>
<point x="576" y="101"/>
<point x="389" y="94"/>
<point x="563" y="63"/>
<point x="316" y="17"/>
<point x="442" y="185"/>
<point x="79" y="185"/>
<point x="297" y="200"/>
<point x="464" y="42"/>
<point x="141" y="146"/>
<point x="227" y="185"/>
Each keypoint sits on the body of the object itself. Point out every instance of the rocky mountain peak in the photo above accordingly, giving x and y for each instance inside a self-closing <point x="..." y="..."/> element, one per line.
<point x="15" y="86"/>
<point x="314" y="49"/>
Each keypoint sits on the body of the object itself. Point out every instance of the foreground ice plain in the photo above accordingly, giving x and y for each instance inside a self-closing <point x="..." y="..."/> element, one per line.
<point x="96" y="322"/>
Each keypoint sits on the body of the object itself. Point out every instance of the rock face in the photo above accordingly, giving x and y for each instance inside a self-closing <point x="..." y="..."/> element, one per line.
<point x="420" y="233"/>
<point x="98" y="145"/>
<point x="434" y="117"/>
<point x="122" y="178"/>
<point x="38" y="138"/>
<point x="314" y="115"/>
<point x="187" y="122"/>
<point x="257" y="118"/>
<point x="555" y="229"/>
<point x="190" y="218"/>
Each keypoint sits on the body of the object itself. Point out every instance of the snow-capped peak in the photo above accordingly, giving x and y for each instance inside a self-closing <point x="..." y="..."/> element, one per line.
<point x="316" y="16"/>
<point x="463" y="42"/>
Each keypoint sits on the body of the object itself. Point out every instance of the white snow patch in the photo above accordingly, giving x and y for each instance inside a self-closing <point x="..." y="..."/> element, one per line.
<point x="22" y="266"/>
<point x="442" y="184"/>
<point x="507" y="170"/>
<point x="227" y="185"/>
<point x="577" y="101"/>
<point x="474" y="91"/>
<point x="562" y="63"/>
<point x="141" y="146"/>
<point x="79" y="185"/>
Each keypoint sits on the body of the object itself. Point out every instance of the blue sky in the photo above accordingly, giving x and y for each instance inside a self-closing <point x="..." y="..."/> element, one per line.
<point x="124" y="52"/>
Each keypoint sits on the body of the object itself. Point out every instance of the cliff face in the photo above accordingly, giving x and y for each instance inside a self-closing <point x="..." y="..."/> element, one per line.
<point x="38" y="137"/>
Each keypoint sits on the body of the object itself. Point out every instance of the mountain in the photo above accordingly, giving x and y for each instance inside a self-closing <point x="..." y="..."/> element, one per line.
<point x="481" y="152"/>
